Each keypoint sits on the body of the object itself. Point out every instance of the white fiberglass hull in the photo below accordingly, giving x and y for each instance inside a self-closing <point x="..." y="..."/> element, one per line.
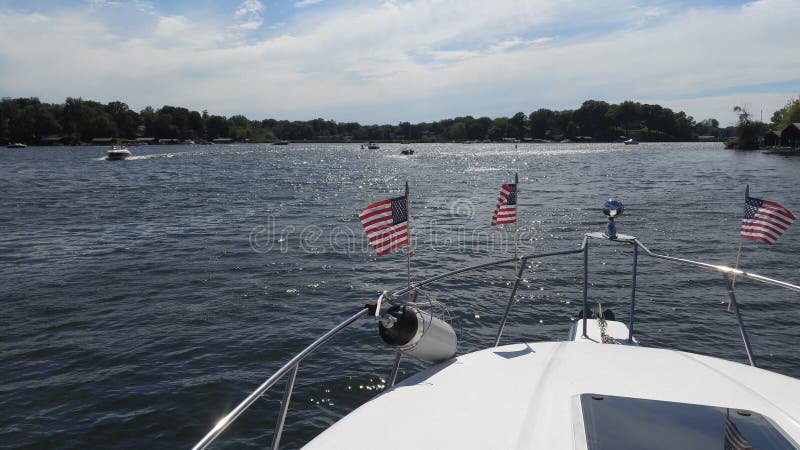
<point x="526" y="396"/>
<point x="116" y="155"/>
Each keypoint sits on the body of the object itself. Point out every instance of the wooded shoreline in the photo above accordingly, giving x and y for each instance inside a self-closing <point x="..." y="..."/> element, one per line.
<point x="82" y="122"/>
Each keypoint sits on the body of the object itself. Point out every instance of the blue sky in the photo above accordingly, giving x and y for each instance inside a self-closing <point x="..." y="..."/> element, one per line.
<point x="393" y="60"/>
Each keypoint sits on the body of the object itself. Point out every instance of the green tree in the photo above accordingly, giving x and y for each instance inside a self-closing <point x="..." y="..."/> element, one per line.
<point x="216" y="127"/>
<point x="499" y="129"/>
<point x="518" y="124"/>
<point x="195" y="125"/>
<point x="707" y="127"/>
<point x="127" y="121"/>
<point x="542" y="121"/>
<point x="239" y="127"/>
<point x="101" y="125"/>
<point x="592" y="119"/>
<point x="28" y="119"/>
<point x="479" y="128"/>
<point x="747" y="132"/>
<point x="627" y="116"/>
<point x="164" y="128"/>
<point x="787" y="115"/>
<point x="457" y="131"/>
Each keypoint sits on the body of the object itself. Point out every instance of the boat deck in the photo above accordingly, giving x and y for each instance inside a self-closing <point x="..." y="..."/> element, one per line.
<point x="527" y="396"/>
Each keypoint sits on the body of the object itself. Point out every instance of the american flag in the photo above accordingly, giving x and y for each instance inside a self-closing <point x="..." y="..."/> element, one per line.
<point x="386" y="224"/>
<point x="734" y="439"/>
<point x="764" y="220"/>
<point x="506" y="209"/>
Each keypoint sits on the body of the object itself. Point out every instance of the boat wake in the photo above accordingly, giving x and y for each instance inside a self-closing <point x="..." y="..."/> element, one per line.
<point x="159" y="155"/>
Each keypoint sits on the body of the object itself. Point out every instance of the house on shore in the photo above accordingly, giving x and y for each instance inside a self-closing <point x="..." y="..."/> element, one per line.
<point x="772" y="139"/>
<point x="790" y="136"/>
<point x="787" y="137"/>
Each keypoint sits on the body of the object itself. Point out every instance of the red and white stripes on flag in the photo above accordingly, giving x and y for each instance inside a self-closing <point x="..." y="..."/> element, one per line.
<point x="386" y="224"/>
<point x="764" y="220"/>
<point x="506" y="209"/>
<point x="734" y="439"/>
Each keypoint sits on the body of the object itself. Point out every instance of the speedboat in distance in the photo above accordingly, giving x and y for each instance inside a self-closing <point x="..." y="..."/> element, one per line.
<point x="118" y="152"/>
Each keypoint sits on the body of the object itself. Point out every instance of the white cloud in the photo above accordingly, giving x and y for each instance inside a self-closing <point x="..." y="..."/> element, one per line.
<point x="178" y="32"/>
<point x="103" y="3"/>
<point x="516" y="42"/>
<point x="250" y="14"/>
<point x="415" y="60"/>
<point x="252" y="24"/>
<point x="249" y="7"/>
<point x="304" y="3"/>
<point x="144" y="6"/>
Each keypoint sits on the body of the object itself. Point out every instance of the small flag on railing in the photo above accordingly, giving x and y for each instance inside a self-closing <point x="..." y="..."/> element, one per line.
<point x="506" y="209"/>
<point x="734" y="439"/>
<point x="386" y="224"/>
<point x="764" y="220"/>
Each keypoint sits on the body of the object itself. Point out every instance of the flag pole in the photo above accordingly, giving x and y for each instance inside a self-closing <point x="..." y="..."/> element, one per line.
<point x="516" y="221"/>
<point x="739" y="252"/>
<point x="408" y="248"/>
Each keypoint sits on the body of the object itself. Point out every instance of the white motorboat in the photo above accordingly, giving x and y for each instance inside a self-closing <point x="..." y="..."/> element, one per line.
<point x="118" y="152"/>
<point x="16" y="145"/>
<point x="596" y="390"/>
<point x="630" y="141"/>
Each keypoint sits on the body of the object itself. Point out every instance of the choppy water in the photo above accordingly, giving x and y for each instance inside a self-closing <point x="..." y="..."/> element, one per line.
<point x="143" y="299"/>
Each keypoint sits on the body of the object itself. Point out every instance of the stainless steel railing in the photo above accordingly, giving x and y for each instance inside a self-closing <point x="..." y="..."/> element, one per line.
<point x="291" y="367"/>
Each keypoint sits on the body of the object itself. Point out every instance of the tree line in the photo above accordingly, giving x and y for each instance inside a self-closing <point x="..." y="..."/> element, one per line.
<point x="749" y="133"/>
<point x="76" y="121"/>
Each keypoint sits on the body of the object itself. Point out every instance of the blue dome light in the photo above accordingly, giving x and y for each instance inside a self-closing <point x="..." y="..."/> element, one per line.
<point x="612" y="208"/>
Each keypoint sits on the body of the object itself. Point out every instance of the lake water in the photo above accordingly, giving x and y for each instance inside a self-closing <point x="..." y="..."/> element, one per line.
<point x="143" y="299"/>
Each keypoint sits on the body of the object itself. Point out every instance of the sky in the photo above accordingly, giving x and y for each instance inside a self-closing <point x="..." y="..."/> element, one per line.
<point x="403" y="60"/>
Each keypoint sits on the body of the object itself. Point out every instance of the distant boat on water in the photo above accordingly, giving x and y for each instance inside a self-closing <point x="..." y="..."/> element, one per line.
<point x="117" y="153"/>
<point x="372" y="146"/>
<point x="16" y="145"/>
<point x="631" y="141"/>
<point x="407" y="151"/>
<point x="281" y="142"/>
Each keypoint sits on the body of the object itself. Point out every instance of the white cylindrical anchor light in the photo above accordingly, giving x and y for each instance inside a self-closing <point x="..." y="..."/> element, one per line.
<point x="418" y="334"/>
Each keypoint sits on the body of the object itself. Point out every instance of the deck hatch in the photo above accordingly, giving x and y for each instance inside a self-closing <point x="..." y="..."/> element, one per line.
<point x="617" y="423"/>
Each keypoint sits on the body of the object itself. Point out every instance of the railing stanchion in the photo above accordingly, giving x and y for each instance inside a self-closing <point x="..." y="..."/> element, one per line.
<point x="633" y="291"/>
<point x="395" y="369"/>
<point x="287" y="396"/>
<point x="585" y="284"/>
<point x="522" y="263"/>
<point x="742" y="330"/>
